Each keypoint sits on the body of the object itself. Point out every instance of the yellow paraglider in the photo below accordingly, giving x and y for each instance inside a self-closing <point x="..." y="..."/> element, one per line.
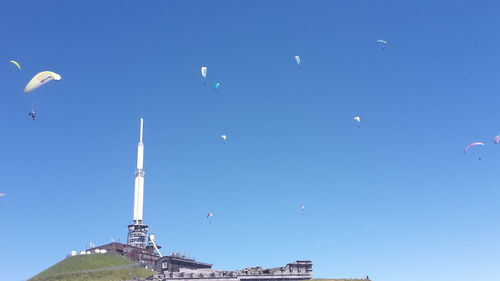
<point x="16" y="63"/>
<point x="40" y="79"/>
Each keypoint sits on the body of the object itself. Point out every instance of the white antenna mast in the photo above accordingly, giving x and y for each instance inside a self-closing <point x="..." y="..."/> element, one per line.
<point x="139" y="180"/>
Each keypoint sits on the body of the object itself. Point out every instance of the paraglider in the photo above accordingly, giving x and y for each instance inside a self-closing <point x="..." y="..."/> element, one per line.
<point x="32" y="114"/>
<point x="41" y="79"/>
<point x="209" y="215"/>
<point x="297" y="61"/>
<point x="37" y="81"/>
<point x="224" y="137"/>
<point x="383" y="42"/>
<point x="302" y="208"/>
<point x="204" y="73"/>
<point x="16" y="64"/>
<point x="472" y="145"/>
<point x="497" y="139"/>
<point x="2" y="194"/>
<point x="216" y="87"/>
<point x="358" y="119"/>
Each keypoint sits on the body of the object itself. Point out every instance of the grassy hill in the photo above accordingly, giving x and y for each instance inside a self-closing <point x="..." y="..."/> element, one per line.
<point x="102" y="267"/>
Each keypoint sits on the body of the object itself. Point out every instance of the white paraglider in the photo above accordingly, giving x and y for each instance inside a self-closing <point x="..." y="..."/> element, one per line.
<point x="224" y="137"/>
<point x="382" y="42"/>
<point x="41" y="79"/>
<point x="358" y="120"/>
<point x="204" y="70"/>
<point x="297" y="60"/>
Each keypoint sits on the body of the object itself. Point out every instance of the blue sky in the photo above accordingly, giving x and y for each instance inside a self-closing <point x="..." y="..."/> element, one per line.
<point x="395" y="199"/>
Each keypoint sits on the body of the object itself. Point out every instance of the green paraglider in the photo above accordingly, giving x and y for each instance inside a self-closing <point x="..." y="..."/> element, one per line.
<point x="16" y="64"/>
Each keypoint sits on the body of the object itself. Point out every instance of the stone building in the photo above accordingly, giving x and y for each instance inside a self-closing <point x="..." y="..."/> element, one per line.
<point x="175" y="268"/>
<point x="144" y="256"/>
<point x="177" y="263"/>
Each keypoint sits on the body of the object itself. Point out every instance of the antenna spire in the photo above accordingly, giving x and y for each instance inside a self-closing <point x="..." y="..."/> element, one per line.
<point x="137" y="232"/>
<point x="142" y="123"/>
<point x="139" y="180"/>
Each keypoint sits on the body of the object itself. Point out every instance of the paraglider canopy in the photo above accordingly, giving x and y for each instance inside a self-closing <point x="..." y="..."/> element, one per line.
<point x="297" y="60"/>
<point x="2" y="194"/>
<point x="357" y="118"/>
<point x="216" y="86"/>
<point x="472" y="145"/>
<point x="204" y="71"/>
<point x="41" y="79"/>
<point x="16" y="64"/>
<point x="209" y="215"/>
<point x="496" y="140"/>
<point x="382" y="42"/>
<point x="224" y="137"/>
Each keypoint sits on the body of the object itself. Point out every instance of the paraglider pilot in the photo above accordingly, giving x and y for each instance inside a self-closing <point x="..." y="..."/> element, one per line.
<point x="32" y="114"/>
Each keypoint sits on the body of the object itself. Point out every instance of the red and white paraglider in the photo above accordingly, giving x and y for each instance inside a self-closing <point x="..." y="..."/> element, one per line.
<point x="209" y="215"/>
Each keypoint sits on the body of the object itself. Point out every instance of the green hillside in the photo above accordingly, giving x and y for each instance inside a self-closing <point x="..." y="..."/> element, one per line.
<point x="102" y="267"/>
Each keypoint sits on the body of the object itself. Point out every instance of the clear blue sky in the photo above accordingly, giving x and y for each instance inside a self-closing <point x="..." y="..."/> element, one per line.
<point x="395" y="199"/>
